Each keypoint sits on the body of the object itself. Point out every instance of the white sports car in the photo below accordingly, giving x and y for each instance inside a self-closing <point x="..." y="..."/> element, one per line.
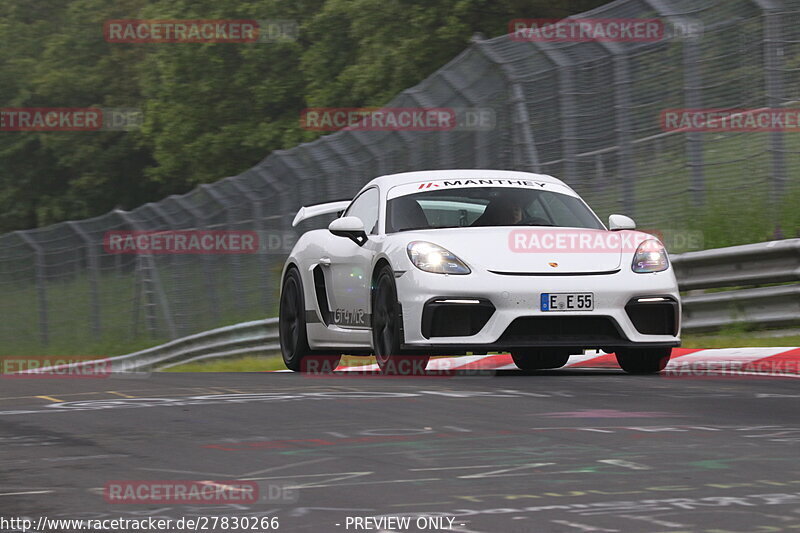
<point x="448" y="262"/>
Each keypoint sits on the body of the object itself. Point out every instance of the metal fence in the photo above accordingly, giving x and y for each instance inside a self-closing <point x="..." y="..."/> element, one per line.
<point x="587" y="112"/>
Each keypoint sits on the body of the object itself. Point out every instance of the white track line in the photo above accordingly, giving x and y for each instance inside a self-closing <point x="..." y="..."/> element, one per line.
<point x="26" y="493"/>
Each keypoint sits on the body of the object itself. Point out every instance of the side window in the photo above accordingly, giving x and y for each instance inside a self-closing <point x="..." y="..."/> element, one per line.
<point x="365" y="207"/>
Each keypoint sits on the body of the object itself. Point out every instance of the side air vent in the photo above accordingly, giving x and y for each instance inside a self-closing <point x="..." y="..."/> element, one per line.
<point x="321" y="293"/>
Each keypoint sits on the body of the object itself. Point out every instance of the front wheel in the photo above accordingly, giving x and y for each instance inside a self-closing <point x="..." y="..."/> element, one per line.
<point x="539" y="358"/>
<point x="386" y="329"/>
<point x="643" y="360"/>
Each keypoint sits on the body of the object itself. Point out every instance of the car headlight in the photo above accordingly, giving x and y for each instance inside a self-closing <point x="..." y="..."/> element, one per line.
<point x="432" y="258"/>
<point x="650" y="257"/>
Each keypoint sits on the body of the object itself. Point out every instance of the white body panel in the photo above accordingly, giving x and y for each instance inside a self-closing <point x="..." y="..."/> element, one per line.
<point x="510" y="280"/>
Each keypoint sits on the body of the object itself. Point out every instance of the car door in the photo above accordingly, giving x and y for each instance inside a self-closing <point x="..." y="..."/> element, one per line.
<point x="348" y="266"/>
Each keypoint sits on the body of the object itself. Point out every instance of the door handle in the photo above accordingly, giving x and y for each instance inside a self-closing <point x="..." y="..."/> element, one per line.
<point x="325" y="261"/>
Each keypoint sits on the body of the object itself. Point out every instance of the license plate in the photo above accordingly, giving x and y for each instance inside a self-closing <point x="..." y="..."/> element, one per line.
<point x="567" y="301"/>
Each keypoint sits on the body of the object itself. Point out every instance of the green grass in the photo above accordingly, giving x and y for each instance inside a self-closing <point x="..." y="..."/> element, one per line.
<point x="255" y="364"/>
<point x="738" y="336"/>
<point x="736" y="341"/>
<point x="239" y="364"/>
<point x="739" y="206"/>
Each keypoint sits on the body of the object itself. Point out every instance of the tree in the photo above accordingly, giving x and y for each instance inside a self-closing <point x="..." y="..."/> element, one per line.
<point x="210" y="110"/>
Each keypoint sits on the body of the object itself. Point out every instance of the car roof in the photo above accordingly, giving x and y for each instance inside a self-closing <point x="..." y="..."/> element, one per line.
<point x="404" y="178"/>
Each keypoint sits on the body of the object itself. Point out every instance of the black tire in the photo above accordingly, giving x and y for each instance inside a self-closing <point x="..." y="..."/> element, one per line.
<point x="386" y="337"/>
<point x="540" y="358"/>
<point x="297" y="355"/>
<point x="643" y="360"/>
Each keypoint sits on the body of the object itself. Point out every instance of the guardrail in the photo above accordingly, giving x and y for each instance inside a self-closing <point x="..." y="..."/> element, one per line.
<point x="737" y="266"/>
<point x="259" y="337"/>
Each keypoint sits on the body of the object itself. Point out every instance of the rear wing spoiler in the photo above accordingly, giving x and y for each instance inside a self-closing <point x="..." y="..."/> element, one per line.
<point x="319" y="210"/>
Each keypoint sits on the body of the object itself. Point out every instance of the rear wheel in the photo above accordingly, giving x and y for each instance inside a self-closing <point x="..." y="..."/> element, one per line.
<point x="643" y="360"/>
<point x="292" y="328"/>
<point x="386" y="329"/>
<point x="540" y="358"/>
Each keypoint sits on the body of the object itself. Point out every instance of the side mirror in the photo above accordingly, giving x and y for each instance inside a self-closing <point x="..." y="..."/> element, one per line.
<point x="350" y="227"/>
<point x="618" y="222"/>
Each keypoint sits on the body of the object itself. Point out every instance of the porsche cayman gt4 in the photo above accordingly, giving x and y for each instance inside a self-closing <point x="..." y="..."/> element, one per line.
<point x="450" y="262"/>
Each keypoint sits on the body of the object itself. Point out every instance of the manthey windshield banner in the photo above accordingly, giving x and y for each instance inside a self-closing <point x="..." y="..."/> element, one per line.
<point x="464" y="183"/>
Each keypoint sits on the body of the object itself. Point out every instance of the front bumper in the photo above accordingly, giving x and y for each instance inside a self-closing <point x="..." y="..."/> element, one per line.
<point x="517" y="320"/>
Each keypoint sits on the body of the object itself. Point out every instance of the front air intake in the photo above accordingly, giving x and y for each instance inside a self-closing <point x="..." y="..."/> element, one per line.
<point x="455" y="317"/>
<point x="654" y="316"/>
<point x="562" y="330"/>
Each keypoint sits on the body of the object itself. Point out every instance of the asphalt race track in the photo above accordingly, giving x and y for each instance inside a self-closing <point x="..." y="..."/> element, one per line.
<point x="573" y="450"/>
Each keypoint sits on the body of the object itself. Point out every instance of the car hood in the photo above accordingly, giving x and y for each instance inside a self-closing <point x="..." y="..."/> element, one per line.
<point x="535" y="250"/>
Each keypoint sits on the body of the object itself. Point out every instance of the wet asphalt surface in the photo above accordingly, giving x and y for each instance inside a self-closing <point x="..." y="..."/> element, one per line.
<point x="572" y="450"/>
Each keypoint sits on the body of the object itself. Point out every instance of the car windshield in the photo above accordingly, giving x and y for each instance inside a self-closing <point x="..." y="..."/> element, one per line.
<point x="487" y="206"/>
